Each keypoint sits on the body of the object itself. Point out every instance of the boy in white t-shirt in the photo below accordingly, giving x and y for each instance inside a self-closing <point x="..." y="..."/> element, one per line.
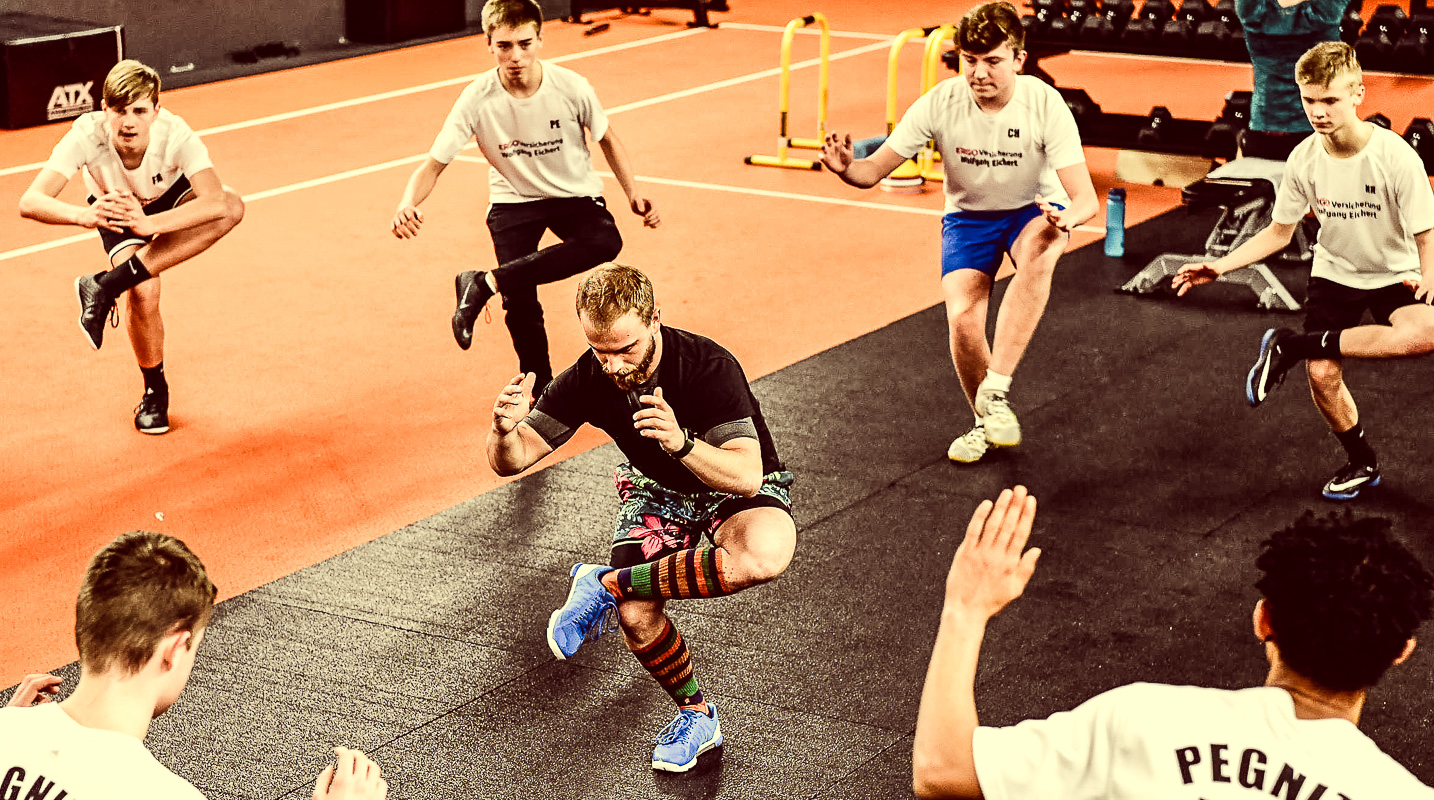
<point x="1375" y="251"/>
<point x="1342" y="602"/>
<point x="1016" y="183"/>
<point x="530" y="119"/>
<point x="157" y="202"/>
<point x="142" y="611"/>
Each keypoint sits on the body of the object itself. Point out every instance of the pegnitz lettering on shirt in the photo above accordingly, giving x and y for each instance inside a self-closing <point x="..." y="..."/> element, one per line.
<point x="1250" y="769"/>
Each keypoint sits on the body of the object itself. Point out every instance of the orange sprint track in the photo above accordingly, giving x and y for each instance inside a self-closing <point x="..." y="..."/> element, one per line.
<point x="318" y="398"/>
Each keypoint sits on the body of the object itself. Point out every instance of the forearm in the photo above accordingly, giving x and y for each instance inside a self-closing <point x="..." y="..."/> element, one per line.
<point x="731" y="471"/>
<point x="617" y="161"/>
<point x="1424" y="242"/>
<point x="1084" y="207"/>
<point x="1257" y="248"/>
<point x="188" y="215"/>
<point x="942" y="759"/>
<point x="421" y="183"/>
<point x="862" y="173"/>
<point x="49" y="210"/>
<point x="508" y="453"/>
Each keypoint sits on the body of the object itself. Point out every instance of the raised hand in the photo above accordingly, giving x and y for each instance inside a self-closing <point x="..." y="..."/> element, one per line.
<point x="514" y="403"/>
<point x="990" y="568"/>
<point x="658" y="421"/>
<point x="838" y="152"/>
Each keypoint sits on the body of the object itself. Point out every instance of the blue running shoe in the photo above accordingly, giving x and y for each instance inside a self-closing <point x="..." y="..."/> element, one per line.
<point x="1350" y="481"/>
<point x="690" y="734"/>
<point x="1270" y="366"/>
<point x="590" y="611"/>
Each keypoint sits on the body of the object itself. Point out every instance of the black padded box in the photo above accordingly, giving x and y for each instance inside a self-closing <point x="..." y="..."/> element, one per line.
<point x="53" y="69"/>
<point x="389" y="21"/>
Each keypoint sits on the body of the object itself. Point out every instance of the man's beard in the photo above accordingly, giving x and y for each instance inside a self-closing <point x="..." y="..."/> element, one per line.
<point x="629" y="379"/>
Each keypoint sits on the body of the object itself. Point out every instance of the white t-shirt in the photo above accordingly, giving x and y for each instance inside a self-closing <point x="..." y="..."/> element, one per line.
<point x="994" y="162"/>
<point x="1149" y="740"/>
<point x="1369" y="208"/>
<point x="534" y="145"/>
<point x="174" y="151"/>
<point x="43" y="752"/>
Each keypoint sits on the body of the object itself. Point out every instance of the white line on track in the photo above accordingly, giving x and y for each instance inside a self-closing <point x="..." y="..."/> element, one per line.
<point x="810" y="198"/>
<point x="50" y="245"/>
<point x="389" y="95"/>
<point x="748" y="26"/>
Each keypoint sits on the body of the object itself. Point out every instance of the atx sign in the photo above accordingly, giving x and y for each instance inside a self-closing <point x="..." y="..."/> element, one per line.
<point x="71" y="100"/>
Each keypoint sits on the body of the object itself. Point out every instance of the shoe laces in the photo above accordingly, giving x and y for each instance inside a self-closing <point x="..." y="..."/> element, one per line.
<point x="114" y="315"/>
<point x="997" y="407"/>
<point x="605" y="610"/>
<point x="680" y="728"/>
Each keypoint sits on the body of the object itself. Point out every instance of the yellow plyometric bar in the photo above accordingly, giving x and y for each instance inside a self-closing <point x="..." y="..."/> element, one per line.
<point x="930" y="70"/>
<point x="785" y="142"/>
<point x="923" y="165"/>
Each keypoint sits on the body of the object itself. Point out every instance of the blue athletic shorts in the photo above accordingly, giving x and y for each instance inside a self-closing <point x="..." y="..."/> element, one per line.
<point x="979" y="239"/>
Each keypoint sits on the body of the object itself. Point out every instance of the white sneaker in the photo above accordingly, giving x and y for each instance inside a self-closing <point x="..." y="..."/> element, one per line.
<point x="969" y="447"/>
<point x="1002" y="429"/>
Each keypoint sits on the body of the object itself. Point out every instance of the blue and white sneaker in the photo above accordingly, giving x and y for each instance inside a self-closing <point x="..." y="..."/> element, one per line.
<point x="690" y="734"/>
<point x="1350" y="481"/>
<point x="590" y="611"/>
<point x="1270" y="366"/>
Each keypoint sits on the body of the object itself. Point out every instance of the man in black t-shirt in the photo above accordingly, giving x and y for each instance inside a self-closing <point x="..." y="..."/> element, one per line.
<point x="700" y="462"/>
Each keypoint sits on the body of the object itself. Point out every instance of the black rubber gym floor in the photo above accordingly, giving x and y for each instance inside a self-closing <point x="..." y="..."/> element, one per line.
<point x="1156" y="485"/>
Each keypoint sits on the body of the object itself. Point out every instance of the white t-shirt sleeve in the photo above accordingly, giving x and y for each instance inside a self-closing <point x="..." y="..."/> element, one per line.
<point x="590" y="111"/>
<point x="458" y="128"/>
<point x="1292" y="199"/>
<point x="1062" y="144"/>
<point x="71" y="154"/>
<point x="915" y="128"/>
<point x="1413" y="196"/>
<point x="189" y="152"/>
<point x="1068" y="755"/>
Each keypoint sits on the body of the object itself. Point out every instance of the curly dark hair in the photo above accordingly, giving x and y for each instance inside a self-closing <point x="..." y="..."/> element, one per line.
<point x="1343" y="597"/>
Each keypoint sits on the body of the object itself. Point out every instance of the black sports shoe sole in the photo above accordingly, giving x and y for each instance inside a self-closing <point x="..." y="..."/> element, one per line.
<point x="462" y="325"/>
<point x="1352" y="492"/>
<point x="1260" y="369"/>
<point x="80" y="295"/>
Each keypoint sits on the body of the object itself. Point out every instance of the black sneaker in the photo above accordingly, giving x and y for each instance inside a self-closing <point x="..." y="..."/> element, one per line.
<point x="152" y="415"/>
<point x="95" y="306"/>
<point x="1270" y="367"/>
<point x="473" y="293"/>
<point x="1350" y="481"/>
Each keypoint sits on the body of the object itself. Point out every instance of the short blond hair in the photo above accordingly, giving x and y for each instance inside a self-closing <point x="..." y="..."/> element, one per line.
<point x="511" y="14"/>
<point x="139" y="589"/>
<point x="610" y="291"/>
<point x="129" y="82"/>
<point x="1326" y="63"/>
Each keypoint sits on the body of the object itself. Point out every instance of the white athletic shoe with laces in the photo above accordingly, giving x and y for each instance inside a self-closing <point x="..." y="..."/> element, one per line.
<point x="1002" y="429"/>
<point x="969" y="447"/>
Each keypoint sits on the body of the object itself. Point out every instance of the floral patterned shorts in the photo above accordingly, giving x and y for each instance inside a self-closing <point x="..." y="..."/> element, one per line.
<point x="654" y="521"/>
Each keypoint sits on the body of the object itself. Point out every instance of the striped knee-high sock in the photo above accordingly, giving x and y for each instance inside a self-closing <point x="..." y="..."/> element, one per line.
<point x="681" y="576"/>
<point x="667" y="661"/>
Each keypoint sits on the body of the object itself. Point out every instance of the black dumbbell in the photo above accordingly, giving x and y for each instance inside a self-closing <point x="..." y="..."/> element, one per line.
<point x="1420" y="136"/>
<point x="1139" y="33"/>
<point x="1084" y="109"/>
<point x="1375" y="47"/>
<point x="1095" y="32"/>
<point x="1195" y="12"/>
<point x="1380" y="120"/>
<point x="1156" y="128"/>
<point x="1177" y="36"/>
<point x="1224" y="133"/>
<point x="1119" y="12"/>
<point x="1352" y="22"/>
<point x="1411" y="53"/>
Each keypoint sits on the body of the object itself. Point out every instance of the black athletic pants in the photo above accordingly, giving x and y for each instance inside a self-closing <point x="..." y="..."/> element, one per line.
<point x="589" y="237"/>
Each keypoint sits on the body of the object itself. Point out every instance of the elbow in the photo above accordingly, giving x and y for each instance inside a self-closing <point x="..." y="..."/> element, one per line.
<point x="935" y="777"/>
<point x="27" y="206"/>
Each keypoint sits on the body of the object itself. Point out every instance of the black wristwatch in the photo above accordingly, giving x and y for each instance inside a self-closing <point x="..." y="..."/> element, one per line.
<point x="687" y="445"/>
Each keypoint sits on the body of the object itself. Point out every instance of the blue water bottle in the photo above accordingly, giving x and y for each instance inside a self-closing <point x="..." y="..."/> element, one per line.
<point x="1115" y="223"/>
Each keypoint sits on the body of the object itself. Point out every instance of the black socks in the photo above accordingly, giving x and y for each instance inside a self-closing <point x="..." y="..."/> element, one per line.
<point x="1315" y="344"/>
<point x="1360" y="453"/>
<point x="124" y="277"/>
<point x="154" y="381"/>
